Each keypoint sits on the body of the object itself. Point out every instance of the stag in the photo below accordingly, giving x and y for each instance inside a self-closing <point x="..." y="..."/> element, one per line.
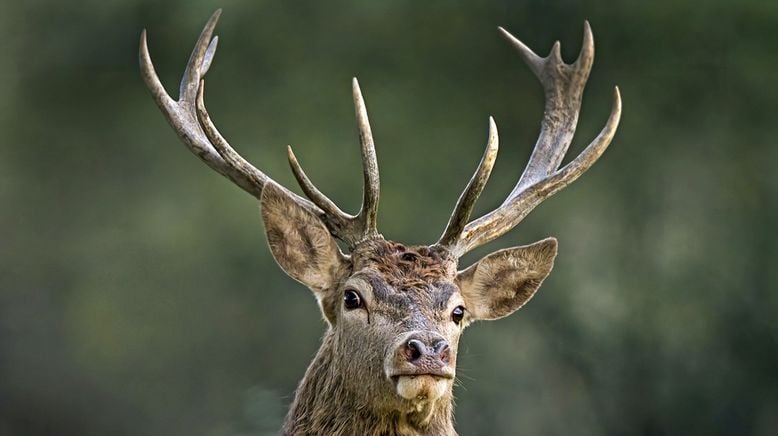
<point x="395" y="312"/>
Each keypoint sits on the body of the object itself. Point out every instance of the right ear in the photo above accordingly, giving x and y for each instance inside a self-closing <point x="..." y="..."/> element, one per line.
<point x="300" y="242"/>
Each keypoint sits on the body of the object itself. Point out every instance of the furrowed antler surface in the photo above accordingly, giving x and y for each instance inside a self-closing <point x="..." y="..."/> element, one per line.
<point x="563" y="85"/>
<point x="191" y="121"/>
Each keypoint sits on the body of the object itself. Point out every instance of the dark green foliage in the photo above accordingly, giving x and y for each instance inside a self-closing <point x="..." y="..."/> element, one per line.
<point x="138" y="296"/>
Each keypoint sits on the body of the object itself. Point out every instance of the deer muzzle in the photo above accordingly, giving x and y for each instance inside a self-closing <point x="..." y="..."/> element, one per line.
<point x="420" y="367"/>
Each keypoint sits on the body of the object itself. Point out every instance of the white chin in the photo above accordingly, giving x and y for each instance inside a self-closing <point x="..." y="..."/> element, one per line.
<point x="421" y="387"/>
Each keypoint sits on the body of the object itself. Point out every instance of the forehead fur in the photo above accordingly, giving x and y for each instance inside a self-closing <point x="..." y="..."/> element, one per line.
<point x="410" y="267"/>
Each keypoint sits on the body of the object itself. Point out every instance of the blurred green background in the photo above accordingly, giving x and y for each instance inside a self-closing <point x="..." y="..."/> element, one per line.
<point x="137" y="295"/>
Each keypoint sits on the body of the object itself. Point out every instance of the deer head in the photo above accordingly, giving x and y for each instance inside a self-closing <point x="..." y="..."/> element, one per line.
<point x="394" y="312"/>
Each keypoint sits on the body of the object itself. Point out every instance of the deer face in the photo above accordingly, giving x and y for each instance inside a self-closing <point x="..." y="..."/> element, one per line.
<point x="396" y="313"/>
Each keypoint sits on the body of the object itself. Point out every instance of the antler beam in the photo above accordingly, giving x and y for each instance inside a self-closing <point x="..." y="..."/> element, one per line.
<point x="190" y="119"/>
<point x="563" y="85"/>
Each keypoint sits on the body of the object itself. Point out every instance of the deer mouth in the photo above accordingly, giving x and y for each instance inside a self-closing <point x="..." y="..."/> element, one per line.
<point x="439" y="374"/>
<point x="422" y="386"/>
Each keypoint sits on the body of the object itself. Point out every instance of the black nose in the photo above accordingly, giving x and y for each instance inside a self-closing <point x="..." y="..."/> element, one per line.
<point x="415" y="349"/>
<point x="442" y="350"/>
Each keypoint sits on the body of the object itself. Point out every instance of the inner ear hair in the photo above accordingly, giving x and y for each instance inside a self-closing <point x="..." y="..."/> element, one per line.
<point x="300" y="242"/>
<point x="503" y="281"/>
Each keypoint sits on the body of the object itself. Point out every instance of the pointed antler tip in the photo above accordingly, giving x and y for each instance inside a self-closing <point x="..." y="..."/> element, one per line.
<point x="586" y="55"/>
<point x="588" y="37"/>
<point x="505" y="34"/>
<point x="211" y="24"/>
<point x="355" y="88"/>
<point x="508" y="36"/>
<point x="143" y="51"/>
<point x="290" y="155"/>
<point x="492" y="126"/>
<point x="144" y="44"/>
<point x="494" y="140"/>
<point x="534" y="61"/>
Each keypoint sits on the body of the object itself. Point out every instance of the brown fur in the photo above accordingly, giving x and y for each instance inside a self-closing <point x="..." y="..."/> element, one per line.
<point x="402" y="266"/>
<point x="325" y="405"/>
<point x="374" y="373"/>
<point x="352" y="386"/>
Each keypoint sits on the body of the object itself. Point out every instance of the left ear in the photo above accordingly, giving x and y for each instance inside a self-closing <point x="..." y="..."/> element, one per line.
<point x="500" y="283"/>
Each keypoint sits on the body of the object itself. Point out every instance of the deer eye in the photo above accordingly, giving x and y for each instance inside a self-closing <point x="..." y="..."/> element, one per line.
<point x="352" y="300"/>
<point x="457" y="314"/>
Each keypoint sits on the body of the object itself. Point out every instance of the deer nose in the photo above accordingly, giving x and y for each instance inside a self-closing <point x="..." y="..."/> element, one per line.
<point x="414" y="349"/>
<point x="435" y="348"/>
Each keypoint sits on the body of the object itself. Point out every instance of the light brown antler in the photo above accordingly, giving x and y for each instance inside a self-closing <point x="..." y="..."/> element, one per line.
<point x="365" y="222"/>
<point x="563" y="85"/>
<point x="190" y="119"/>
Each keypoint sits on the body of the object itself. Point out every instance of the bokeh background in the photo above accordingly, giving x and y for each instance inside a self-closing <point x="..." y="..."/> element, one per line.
<point x="137" y="295"/>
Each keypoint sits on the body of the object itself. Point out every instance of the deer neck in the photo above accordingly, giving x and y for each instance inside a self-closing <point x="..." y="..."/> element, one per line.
<point x="325" y="404"/>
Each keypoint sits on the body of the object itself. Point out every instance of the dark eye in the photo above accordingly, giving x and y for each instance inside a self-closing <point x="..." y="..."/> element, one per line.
<point x="408" y="257"/>
<point x="457" y="314"/>
<point x="352" y="300"/>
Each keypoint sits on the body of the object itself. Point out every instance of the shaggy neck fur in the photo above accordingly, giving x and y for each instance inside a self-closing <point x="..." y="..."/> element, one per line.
<point x="327" y="403"/>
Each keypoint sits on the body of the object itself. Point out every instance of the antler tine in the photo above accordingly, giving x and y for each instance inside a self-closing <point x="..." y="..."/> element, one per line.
<point x="150" y="77"/>
<point x="181" y="113"/>
<point x="233" y="159"/>
<point x="209" y="54"/>
<point x="507" y="216"/>
<point x="189" y="117"/>
<point x="362" y="226"/>
<point x="191" y="120"/>
<point x="533" y="61"/>
<point x="310" y="190"/>
<point x="368" y="214"/>
<point x="563" y="85"/>
<point x="196" y="68"/>
<point x="570" y="172"/>
<point x="466" y="202"/>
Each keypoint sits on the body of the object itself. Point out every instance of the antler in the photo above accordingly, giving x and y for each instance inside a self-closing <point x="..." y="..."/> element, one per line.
<point x="563" y="85"/>
<point x="190" y="119"/>
<point x="364" y="223"/>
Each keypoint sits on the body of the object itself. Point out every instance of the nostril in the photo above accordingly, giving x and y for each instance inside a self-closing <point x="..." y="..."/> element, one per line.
<point x="414" y="349"/>
<point x="443" y="350"/>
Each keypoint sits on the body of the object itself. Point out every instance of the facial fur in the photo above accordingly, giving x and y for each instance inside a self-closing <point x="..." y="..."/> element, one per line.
<point x="406" y="292"/>
<point x="388" y="358"/>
